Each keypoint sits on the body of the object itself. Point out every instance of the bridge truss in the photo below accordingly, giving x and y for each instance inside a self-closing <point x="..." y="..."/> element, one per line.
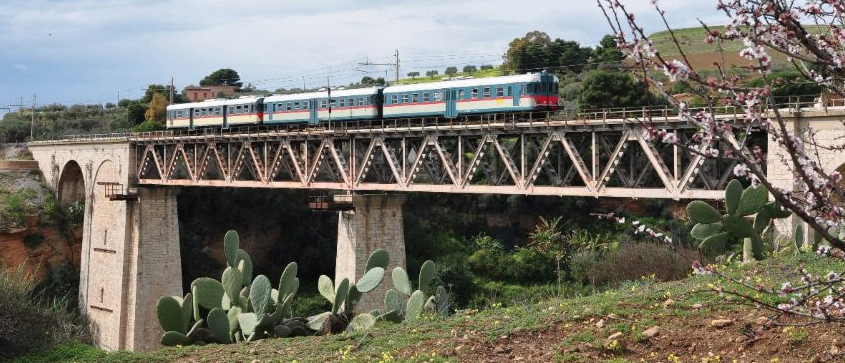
<point x="560" y="158"/>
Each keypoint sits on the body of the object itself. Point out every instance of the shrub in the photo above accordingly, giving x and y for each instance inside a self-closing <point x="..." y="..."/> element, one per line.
<point x="635" y="260"/>
<point x="530" y="265"/>
<point x="32" y="241"/>
<point x="488" y="264"/>
<point x="582" y="264"/>
<point x="458" y="280"/>
<point x="30" y="321"/>
<point x="75" y="214"/>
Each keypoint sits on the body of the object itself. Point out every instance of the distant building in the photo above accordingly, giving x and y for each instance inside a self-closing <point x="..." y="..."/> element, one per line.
<point x="202" y="93"/>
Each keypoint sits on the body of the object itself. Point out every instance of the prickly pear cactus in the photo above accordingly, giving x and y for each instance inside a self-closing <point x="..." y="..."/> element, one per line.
<point x="717" y="232"/>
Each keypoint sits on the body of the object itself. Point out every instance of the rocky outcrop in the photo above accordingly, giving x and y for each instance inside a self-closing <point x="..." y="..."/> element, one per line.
<point x="51" y="250"/>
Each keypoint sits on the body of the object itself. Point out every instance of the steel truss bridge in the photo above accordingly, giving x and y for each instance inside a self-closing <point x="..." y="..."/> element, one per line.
<point x="538" y="154"/>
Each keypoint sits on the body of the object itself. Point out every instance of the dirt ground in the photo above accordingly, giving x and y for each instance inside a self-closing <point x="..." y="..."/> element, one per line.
<point x="679" y="339"/>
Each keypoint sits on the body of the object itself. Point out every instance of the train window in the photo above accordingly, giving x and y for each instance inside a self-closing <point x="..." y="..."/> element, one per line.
<point x="323" y="104"/>
<point x="486" y="92"/>
<point x="296" y="105"/>
<point x="426" y="97"/>
<point x="438" y="96"/>
<point x="461" y="94"/>
<point x="394" y="99"/>
<point x="360" y="102"/>
<point x="217" y="111"/>
<point x="405" y="98"/>
<point x="415" y="97"/>
<point x="288" y="106"/>
<point x="557" y="88"/>
<point x="509" y="91"/>
<point x="342" y="102"/>
<point x="474" y="93"/>
<point x="500" y="92"/>
<point x="305" y="105"/>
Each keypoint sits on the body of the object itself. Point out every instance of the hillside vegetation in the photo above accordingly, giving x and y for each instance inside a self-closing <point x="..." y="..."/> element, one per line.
<point x="643" y="320"/>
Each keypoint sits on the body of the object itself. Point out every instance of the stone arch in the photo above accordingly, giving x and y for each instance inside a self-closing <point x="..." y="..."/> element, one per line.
<point x="71" y="186"/>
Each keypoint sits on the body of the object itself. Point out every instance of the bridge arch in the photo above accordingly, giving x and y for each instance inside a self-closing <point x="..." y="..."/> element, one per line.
<point x="71" y="186"/>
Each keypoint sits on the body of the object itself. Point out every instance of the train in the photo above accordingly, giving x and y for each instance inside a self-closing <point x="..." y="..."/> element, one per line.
<point x="446" y="99"/>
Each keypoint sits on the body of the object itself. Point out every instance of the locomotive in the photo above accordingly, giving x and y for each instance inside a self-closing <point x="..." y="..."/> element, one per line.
<point x="447" y="99"/>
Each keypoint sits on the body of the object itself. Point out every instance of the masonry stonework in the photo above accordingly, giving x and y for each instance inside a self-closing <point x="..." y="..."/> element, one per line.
<point x="826" y="129"/>
<point x="130" y="249"/>
<point x="375" y="223"/>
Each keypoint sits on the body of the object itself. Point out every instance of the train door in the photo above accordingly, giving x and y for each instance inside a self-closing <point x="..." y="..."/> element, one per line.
<point x="312" y="111"/>
<point x="451" y="102"/>
<point x="190" y="119"/>
<point x="517" y="94"/>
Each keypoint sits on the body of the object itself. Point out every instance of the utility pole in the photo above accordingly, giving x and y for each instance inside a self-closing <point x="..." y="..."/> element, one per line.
<point x="32" y="125"/>
<point x="303" y="83"/>
<point x="397" y="66"/>
<point x="171" y="90"/>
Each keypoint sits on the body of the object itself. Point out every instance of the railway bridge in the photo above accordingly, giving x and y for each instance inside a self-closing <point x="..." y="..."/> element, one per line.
<point x="129" y="184"/>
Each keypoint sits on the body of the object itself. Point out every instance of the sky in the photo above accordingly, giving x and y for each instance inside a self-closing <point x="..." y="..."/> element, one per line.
<point x="97" y="51"/>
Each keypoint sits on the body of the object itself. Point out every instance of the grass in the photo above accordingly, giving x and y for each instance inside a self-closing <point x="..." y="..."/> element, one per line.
<point x="495" y="72"/>
<point x="631" y="308"/>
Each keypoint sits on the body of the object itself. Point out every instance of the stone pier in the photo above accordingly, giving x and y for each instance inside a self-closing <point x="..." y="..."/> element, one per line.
<point x="130" y="247"/>
<point x="375" y="223"/>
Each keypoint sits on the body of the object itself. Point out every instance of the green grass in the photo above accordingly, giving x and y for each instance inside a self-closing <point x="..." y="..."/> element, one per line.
<point x="634" y="306"/>
<point x="693" y="41"/>
<point x="495" y="72"/>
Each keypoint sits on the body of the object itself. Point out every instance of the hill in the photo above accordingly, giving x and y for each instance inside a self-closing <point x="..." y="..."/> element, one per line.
<point x="701" y="54"/>
<point x="559" y="329"/>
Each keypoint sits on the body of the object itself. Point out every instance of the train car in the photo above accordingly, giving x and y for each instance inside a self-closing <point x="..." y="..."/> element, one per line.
<point x="247" y="110"/>
<point x="216" y="113"/>
<point x="518" y="93"/>
<point x="313" y="107"/>
<point x="179" y="115"/>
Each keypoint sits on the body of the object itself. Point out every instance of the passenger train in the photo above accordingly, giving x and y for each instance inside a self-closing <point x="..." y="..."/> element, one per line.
<point x="447" y="99"/>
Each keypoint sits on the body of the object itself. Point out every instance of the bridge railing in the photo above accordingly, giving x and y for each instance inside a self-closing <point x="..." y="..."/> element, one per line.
<point x="566" y="116"/>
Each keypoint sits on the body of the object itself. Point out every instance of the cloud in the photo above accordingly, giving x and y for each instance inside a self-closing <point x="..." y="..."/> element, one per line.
<point x="20" y="67"/>
<point x="95" y="48"/>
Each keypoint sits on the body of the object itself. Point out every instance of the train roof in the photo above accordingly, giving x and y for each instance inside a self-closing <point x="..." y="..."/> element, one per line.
<point x="214" y="103"/>
<point x="323" y="94"/>
<point x="487" y="81"/>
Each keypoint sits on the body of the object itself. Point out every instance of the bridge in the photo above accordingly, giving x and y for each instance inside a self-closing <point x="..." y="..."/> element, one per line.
<point x="129" y="184"/>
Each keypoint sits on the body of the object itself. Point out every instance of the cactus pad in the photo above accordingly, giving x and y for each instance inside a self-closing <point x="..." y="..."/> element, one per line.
<point x="208" y="292"/>
<point x="218" y="323"/>
<point x="701" y="212"/>
<point x="752" y="199"/>
<point x="426" y="274"/>
<point x="414" y="306"/>
<point x="259" y="295"/>
<point x="174" y="338"/>
<point x="732" y="194"/>
<point x="379" y="258"/>
<point x="361" y="322"/>
<point x="401" y="281"/>
<point x="701" y="230"/>
<point x="169" y="314"/>
<point x="231" y="244"/>
<point x="370" y="280"/>
<point x="326" y="287"/>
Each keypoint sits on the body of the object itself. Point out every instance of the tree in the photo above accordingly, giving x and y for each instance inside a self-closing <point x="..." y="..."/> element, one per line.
<point x="135" y="112"/>
<point x="815" y="191"/>
<point x="607" y="52"/>
<point x="432" y="73"/>
<point x="413" y="74"/>
<point x="162" y="90"/>
<point x="220" y="77"/>
<point x="470" y="69"/>
<point x="451" y="71"/>
<point x="789" y="86"/>
<point x="373" y="82"/>
<point x="485" y="67"/>
<point x="537" y="51"/>
<point x="610" y="89"/>
<point x="157" y="109"/>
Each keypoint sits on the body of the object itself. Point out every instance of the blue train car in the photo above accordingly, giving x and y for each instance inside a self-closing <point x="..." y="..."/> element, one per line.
<point x="516" y="93"/>
<point x="313" y="107"/>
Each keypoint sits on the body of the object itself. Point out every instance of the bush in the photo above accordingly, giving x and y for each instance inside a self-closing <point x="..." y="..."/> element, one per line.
<point x="30" y="321"/>
<point x="32" y="241"/>
<point x="525" y="265"/>
<point x="635" y="260"/>
<point x="457" y="279"/>
<point x="488" y="264"/>
<point x="63" y="283"/>
<point x="582" y="264"/>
